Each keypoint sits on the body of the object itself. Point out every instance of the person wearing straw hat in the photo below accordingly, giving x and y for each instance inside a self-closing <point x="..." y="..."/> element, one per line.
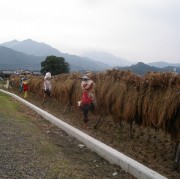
<point x="47" y="87"/>
<point x="89" y="85"/>
<point x="87" y="100"/>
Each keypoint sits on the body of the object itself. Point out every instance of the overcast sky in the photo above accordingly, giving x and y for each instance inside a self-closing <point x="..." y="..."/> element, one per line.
<point x="137" y="30"/>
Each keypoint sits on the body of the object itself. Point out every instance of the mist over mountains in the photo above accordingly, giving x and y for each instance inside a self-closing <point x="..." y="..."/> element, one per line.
<point x="107" y="58"/>
<point x="29" y="54"/>
<point x="163" y="64"/>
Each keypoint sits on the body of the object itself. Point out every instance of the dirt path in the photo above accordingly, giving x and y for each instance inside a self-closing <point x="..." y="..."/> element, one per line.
<point x="31" y="147"/>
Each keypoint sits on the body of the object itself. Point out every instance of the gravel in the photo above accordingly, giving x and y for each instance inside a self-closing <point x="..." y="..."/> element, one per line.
<point x="31" y="147"/>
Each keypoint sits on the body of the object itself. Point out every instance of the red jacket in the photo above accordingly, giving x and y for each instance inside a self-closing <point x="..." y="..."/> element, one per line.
<point x="25" y="86"/>
<point x="86" y="99"/>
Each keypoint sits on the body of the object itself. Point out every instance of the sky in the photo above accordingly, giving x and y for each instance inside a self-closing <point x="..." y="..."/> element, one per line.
<point x="136" y="30"/>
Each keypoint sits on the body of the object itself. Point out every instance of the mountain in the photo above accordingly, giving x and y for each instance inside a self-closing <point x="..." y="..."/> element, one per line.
<point x="141" y="68"/>
<point x="107" y="58"/>
<point x="83" y="64"/>
<point x="31" y="47"/>
<point x="163" y="64"/>
<point x="11" y="60"/>
<point x="34" y="48"/>
<point x="29" y="54"/>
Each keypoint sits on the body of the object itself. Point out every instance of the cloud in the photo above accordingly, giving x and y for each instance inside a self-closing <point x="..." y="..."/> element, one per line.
<point x="136" y="30"/>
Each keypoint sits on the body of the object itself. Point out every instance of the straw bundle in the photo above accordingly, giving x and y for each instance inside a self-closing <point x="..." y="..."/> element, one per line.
<point x="169" y="119"/>
<point x="36" y="85"/>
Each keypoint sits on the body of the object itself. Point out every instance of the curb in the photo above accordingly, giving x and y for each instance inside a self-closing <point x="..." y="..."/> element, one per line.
<point x="113" y="156"/>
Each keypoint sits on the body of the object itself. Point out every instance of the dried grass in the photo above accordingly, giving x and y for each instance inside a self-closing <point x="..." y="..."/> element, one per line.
<point x="150" y="101"/>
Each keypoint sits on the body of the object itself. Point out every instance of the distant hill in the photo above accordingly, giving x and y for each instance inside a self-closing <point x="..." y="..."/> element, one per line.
<point x="31" y="47"/>
<point x="107" y="58"/>
<point x="34" y="48"/>
<point x="11" y="60"/>
<point x="163" y="64"/>
<point x="141" y="68"/>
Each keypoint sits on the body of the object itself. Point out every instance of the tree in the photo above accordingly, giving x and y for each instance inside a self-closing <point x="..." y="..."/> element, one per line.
<point x="54" y="65"/>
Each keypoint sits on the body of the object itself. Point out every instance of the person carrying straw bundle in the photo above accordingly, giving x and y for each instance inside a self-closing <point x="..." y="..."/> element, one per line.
<point x="88" y="97"/>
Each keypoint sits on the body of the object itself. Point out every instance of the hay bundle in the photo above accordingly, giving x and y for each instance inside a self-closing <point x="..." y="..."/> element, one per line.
<point x="59" y="88"/>
<point x="36" y="85"/>
<point x="76" y="92"/>
<point x="117" y="101"/>
<point x="130" y="105"/>
<point x="152" y="104"/>
<point x="157" y="79"/>
<point x="110" y="101"/>
<point x="64" y="88"/>
<point x="14" y="81"/>
<point x="111" y="87"/>
<point x="169" y="119"/>
<point x="103" y="86"/>
<point x="70" y="86"/>
<point x="150" y="100"/>
<point x="56" y="85"/>
<point x="159" y="101"/>
<point x="174" y="81"/>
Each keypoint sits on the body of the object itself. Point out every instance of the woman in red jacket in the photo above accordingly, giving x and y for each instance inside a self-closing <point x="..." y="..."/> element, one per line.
<point x="88" y="97"/>
<point x="86" y="100"/>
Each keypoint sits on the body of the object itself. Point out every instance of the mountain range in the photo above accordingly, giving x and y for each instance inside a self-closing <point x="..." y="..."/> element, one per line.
<point x="107" y="58"/>
<point x="12" y="60"/>
<point x="113" y="61"/>
<point x="40" y="51"/>
<point x="29" y="54"/>
<point x="163" y="64"/>
<point x="141" y="69"/>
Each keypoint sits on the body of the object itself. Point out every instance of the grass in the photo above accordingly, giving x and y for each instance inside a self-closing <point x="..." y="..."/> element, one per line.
<point x="7" y="107"/>
<point x="3" y="82"/>
<point x="15" y="114"/>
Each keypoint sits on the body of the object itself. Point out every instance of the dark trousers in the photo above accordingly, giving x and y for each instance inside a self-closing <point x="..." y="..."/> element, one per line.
<point x="85" y="110"/>
<point x="47" y="92"/>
